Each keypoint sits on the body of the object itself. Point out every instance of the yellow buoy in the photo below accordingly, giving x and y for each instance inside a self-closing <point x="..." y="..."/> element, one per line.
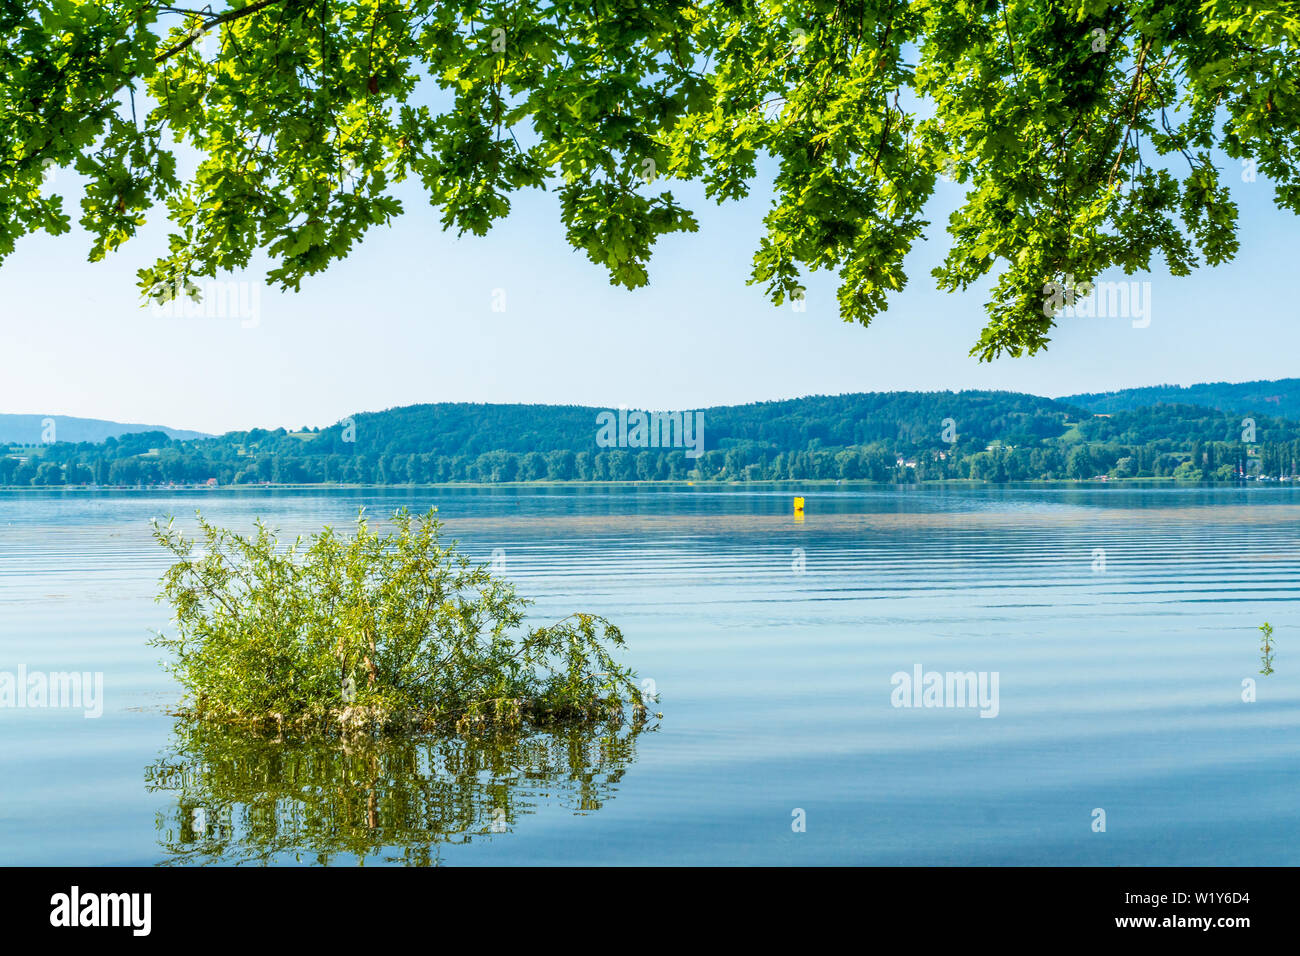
<point x="798" y="506"/>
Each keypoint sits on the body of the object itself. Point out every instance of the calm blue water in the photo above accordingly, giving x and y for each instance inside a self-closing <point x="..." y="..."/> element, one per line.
<point x="1119" y="689"/>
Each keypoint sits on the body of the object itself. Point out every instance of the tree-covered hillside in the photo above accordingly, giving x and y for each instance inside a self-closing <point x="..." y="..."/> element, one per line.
<point x="911" y="420"/>
<point x="887" y="437"/>
<point x="1280" y="397"/>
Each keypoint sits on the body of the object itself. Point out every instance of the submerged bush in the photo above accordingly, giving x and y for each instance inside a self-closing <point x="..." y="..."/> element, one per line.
<point x="374" y="631"/>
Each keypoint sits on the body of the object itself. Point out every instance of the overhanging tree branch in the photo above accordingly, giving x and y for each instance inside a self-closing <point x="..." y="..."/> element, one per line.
<point x="228" y="17"/>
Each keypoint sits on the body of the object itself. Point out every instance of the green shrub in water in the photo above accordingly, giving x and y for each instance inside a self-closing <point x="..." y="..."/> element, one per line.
<point x="375" y="631"/>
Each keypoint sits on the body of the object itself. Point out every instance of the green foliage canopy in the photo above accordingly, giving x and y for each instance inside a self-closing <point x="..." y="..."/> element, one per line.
<point x="1084" y="132"/>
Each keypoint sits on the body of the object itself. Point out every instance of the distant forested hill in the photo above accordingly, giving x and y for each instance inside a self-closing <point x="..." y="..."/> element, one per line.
<point x="914" y="419"/>
<point x="31" y="429"/>
<point x="1279" y="398"/>
<point x="881" y="436"/>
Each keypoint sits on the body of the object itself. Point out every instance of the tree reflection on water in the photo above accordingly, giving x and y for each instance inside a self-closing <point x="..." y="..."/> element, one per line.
<point x="246" y="799"/>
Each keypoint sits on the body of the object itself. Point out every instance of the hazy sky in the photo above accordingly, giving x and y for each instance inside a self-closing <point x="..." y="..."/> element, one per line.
<point x="409" y="318"/>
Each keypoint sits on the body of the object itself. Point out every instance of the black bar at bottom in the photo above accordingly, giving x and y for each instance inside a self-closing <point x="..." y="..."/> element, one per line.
<point x="333" y="906"/>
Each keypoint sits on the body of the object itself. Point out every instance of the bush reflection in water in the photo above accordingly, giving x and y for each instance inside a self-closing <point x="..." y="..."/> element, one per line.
<point x="246" y="799"/>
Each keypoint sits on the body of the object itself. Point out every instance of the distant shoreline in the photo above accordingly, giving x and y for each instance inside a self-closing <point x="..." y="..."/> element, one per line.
<point x="662" y="483"/>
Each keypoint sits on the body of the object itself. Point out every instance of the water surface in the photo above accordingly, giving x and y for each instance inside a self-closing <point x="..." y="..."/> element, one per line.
<point x="772" y="644"/>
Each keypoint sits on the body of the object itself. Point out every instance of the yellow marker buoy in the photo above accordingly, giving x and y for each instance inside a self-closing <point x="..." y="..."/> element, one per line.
<point x="798" y="506"/>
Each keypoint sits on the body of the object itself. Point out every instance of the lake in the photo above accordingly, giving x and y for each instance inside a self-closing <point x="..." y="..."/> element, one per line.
<point x="1111" y="628"/>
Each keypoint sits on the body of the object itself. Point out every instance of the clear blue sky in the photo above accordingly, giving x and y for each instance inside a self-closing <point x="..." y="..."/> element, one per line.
<point x="408" y="318"/>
